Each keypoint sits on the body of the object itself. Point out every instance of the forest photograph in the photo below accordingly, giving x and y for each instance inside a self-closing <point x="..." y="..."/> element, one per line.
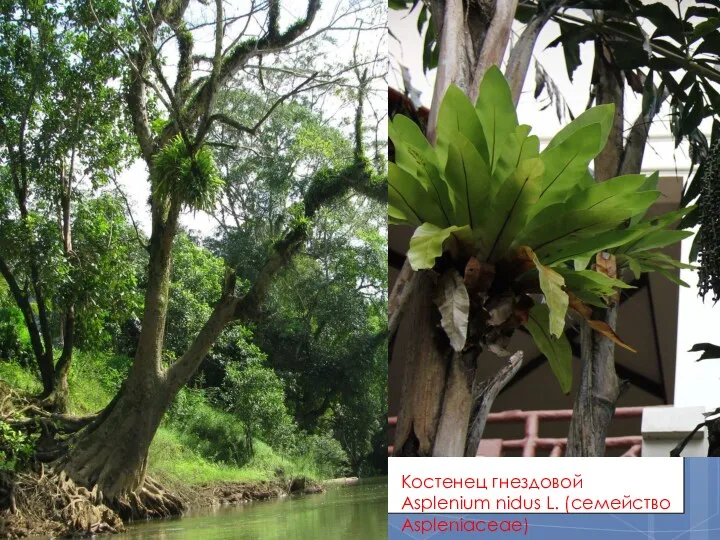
<point x="193" y="301"/>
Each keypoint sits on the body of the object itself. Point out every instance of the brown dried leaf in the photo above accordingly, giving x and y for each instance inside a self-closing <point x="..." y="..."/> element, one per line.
<point x="454" y="304"/>
<point x="604" y="328"/>
<point x="478" y="275"/>
<point x="606" y="264"/>
<point x="578" y="306"/>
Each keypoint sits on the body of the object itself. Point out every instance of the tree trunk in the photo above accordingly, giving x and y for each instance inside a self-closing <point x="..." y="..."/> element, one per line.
<point x="58" y="399"/>
<point x="426" y="365"/>
<point x="437" y="395"/>
<point x="457" y="405"/>
<point x="600" y="387"/>
<point x="599" y="391"/>
<point x="110" y="456"/>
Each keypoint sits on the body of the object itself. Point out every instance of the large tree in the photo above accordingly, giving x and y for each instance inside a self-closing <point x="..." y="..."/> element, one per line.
<point x="110" y="455"/>
<point x="55" y="136"/>
<point x="325" y="324"/>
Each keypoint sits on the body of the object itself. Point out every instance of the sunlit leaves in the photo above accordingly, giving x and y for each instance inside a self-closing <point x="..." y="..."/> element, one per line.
<point x="429" y="241"/>
<point x="552" y="285"/>
<point x="189" y="179"/>
<point x="457" y="115"/>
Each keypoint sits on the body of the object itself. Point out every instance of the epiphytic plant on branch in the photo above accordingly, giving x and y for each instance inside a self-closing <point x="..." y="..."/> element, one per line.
<point x="509" y="232"/>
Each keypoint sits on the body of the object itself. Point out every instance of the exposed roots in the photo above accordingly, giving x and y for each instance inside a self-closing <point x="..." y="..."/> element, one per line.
<point x="44" y="500"/>
<point x="43" y="503"/>
<point x="151" y="502"/>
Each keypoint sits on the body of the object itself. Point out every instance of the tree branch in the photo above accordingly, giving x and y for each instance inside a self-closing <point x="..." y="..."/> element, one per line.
<point x="237" y="57"/>
<point x="521" y="53"/>
<point x="24" y="304"/>
<point x="484" y="395"/>
<point x="225" y="119"/>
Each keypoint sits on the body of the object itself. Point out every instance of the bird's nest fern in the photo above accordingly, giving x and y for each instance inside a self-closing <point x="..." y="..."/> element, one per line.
<point x="189" y="179"/>
<point x="513" y="232"/>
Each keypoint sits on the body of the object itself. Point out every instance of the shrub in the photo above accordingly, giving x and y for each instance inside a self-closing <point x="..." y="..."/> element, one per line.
<point x="326" y="453"/>
<point x="214" y="434"/>
<point x="16" y="448"/>
<point x="14" y="338"/>
<point x="256" y="395"/>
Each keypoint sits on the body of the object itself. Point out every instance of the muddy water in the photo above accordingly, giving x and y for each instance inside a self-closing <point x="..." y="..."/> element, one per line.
<point x="352" y="512"/>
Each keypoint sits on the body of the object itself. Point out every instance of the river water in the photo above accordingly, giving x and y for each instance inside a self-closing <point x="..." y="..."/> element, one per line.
<point x="352" y="512"/>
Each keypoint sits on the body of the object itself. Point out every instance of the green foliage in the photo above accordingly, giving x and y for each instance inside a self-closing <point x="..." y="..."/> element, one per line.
<point x="196" y="281"/>
<point x="326" y="309"/>
<point x="485" y="193"/>
<point x="16" y="448"/>
<point x="214" y="434"/>
<point x="14" y="337"/>
<point x="19" y="377"/>
<point x="256" y="395"/>
<point x="326" y="453"/>
<point x="190" y="179"/>
<point x="174" y="462"/>
<point x="555" y="348"/>
<point x="104" y="279"/>
<point x="94" y="378"/>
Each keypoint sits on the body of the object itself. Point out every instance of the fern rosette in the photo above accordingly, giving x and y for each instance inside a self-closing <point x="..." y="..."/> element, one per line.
<point x="513" y="231"/>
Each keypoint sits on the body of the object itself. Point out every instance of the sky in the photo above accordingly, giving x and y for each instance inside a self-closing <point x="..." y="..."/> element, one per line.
<point x="345" y="14"/>
<point x="696" y="383"/>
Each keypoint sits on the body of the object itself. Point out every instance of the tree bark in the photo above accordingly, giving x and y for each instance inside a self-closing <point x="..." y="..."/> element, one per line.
<point x="59" y="398"/>
<point x="599" y="391"/>
<point x="426" y="364"/>
<point x="600" y="387"/>
<point x="521" y="53"/>
<point x="484" y="394"/>
<point x="457" y="405"/>
<point x="110" y="456"/>
<point x="437" y="398"/>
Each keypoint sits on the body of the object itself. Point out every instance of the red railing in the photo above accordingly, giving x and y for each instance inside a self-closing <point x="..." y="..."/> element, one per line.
<point x="532" y="440"/>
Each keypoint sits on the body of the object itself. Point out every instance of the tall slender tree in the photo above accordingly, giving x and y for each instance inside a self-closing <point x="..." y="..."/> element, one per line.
<point x="54" y="134"/>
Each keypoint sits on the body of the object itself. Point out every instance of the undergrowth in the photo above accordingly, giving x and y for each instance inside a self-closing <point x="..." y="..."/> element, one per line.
<point x="196" y="443"/>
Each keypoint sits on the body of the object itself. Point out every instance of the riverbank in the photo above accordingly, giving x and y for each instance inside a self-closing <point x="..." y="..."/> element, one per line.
<point x="34" y="501"/>
<point x="41" y="503"/>
<point x="350" y="511"/>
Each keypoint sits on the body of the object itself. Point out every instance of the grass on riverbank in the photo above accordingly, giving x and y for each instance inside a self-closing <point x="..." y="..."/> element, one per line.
<point x="173" y="459"/>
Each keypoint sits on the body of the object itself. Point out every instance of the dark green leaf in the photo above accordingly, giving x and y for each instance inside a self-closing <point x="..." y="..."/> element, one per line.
<point x="431" y="50"/>
<point x="709" y="351"/>
<point x="666" y="22"/>
<point x="710" y="44"/>
<point x="557" y="351"/>
<point x="659" y="239"/>
<point x="511" y="208"/>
